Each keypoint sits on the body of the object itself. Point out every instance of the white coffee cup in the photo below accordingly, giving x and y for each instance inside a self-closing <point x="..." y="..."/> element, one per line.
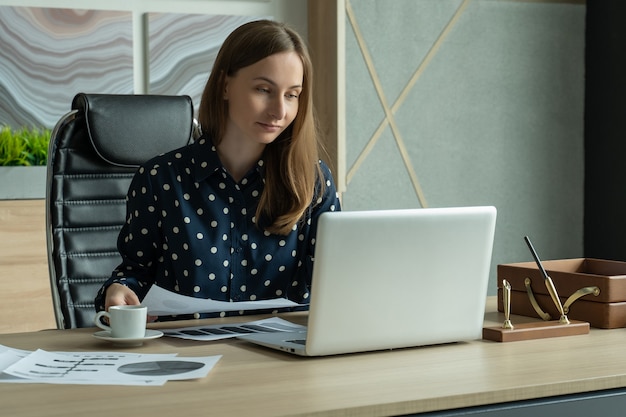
<point x="125" y="321"/>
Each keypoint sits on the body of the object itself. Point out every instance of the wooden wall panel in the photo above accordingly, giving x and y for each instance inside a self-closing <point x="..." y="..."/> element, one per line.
<point x="326" y="21"/>
<point x="25" y="300"/>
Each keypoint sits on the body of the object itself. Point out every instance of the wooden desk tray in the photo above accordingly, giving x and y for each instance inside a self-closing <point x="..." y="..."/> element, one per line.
<point x="592" y="290"/>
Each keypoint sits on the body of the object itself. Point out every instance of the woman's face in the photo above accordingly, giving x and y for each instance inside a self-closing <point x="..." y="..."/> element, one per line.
<point x="263" y="98"/>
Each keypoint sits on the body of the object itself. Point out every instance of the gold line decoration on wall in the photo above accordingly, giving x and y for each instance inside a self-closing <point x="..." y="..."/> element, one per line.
<point x="390" y="111"/>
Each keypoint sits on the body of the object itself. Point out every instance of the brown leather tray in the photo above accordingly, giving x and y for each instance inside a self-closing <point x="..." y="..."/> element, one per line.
<point x="601" y="287"/>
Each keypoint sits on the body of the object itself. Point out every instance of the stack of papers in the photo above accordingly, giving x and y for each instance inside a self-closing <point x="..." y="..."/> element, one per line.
<point x="223" y="331"/>
<point x="101" y="368"/>
<point x="161" y="302"/>
<point x="121" y="368"/>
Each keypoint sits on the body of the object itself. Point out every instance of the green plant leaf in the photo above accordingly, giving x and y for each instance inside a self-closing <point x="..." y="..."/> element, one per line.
<point x="24" y="146"/>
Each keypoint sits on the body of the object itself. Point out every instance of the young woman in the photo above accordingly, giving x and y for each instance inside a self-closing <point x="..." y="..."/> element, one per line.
<point x="233" y="216"/>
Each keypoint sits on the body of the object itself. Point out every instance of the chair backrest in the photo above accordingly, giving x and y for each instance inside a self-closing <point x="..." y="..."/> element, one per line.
<point x="94" y="152"/>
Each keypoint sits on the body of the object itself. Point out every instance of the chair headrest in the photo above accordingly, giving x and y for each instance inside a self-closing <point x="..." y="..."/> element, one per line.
<point x="127" y="130"/>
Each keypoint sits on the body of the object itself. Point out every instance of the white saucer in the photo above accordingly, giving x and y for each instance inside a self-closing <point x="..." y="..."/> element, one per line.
<point x="131" y="341"/>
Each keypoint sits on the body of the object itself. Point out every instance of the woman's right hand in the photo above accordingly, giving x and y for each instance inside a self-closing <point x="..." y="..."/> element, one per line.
<point x="118" y="294"/>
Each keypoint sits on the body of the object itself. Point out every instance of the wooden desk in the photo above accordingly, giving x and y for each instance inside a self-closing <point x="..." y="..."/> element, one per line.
<point x="253" y="381"/>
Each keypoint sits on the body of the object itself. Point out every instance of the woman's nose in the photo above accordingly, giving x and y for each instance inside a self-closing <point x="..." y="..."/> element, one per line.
<point x="278" y="108"/>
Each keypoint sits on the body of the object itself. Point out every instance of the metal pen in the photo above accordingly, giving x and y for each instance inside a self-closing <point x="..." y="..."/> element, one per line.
<point x="548" y="281"/>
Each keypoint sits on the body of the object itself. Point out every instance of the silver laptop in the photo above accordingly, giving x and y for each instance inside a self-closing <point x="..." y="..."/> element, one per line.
<point x="390" y="279"/>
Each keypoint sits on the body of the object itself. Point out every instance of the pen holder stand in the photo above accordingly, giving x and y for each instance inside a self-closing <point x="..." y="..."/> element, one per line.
<point x="508" y="332"/>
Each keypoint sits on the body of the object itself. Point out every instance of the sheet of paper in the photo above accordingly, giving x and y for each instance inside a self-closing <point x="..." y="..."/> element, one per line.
<point x="161" y="302"/>
<point x="223" y="331"/>
<point x="7" y="358"/>
<point x="10" y="357"/>
<point x="109" y="368"/>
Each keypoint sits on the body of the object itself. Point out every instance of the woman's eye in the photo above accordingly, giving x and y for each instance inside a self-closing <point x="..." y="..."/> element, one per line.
<point x="263" y="90"/>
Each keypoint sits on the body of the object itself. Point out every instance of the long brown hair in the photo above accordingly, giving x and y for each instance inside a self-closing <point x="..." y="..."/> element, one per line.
<point x="291" y="160"/>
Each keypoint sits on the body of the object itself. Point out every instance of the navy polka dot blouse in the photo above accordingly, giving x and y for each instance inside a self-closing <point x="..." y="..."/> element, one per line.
<point x="191" y="229"/>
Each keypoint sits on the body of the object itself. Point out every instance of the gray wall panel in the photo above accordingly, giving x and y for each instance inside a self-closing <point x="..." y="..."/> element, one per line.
<point x="496" y="116"/>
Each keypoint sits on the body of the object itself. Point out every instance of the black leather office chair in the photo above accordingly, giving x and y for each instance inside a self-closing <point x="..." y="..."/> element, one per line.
<point x="93" y="154"/>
